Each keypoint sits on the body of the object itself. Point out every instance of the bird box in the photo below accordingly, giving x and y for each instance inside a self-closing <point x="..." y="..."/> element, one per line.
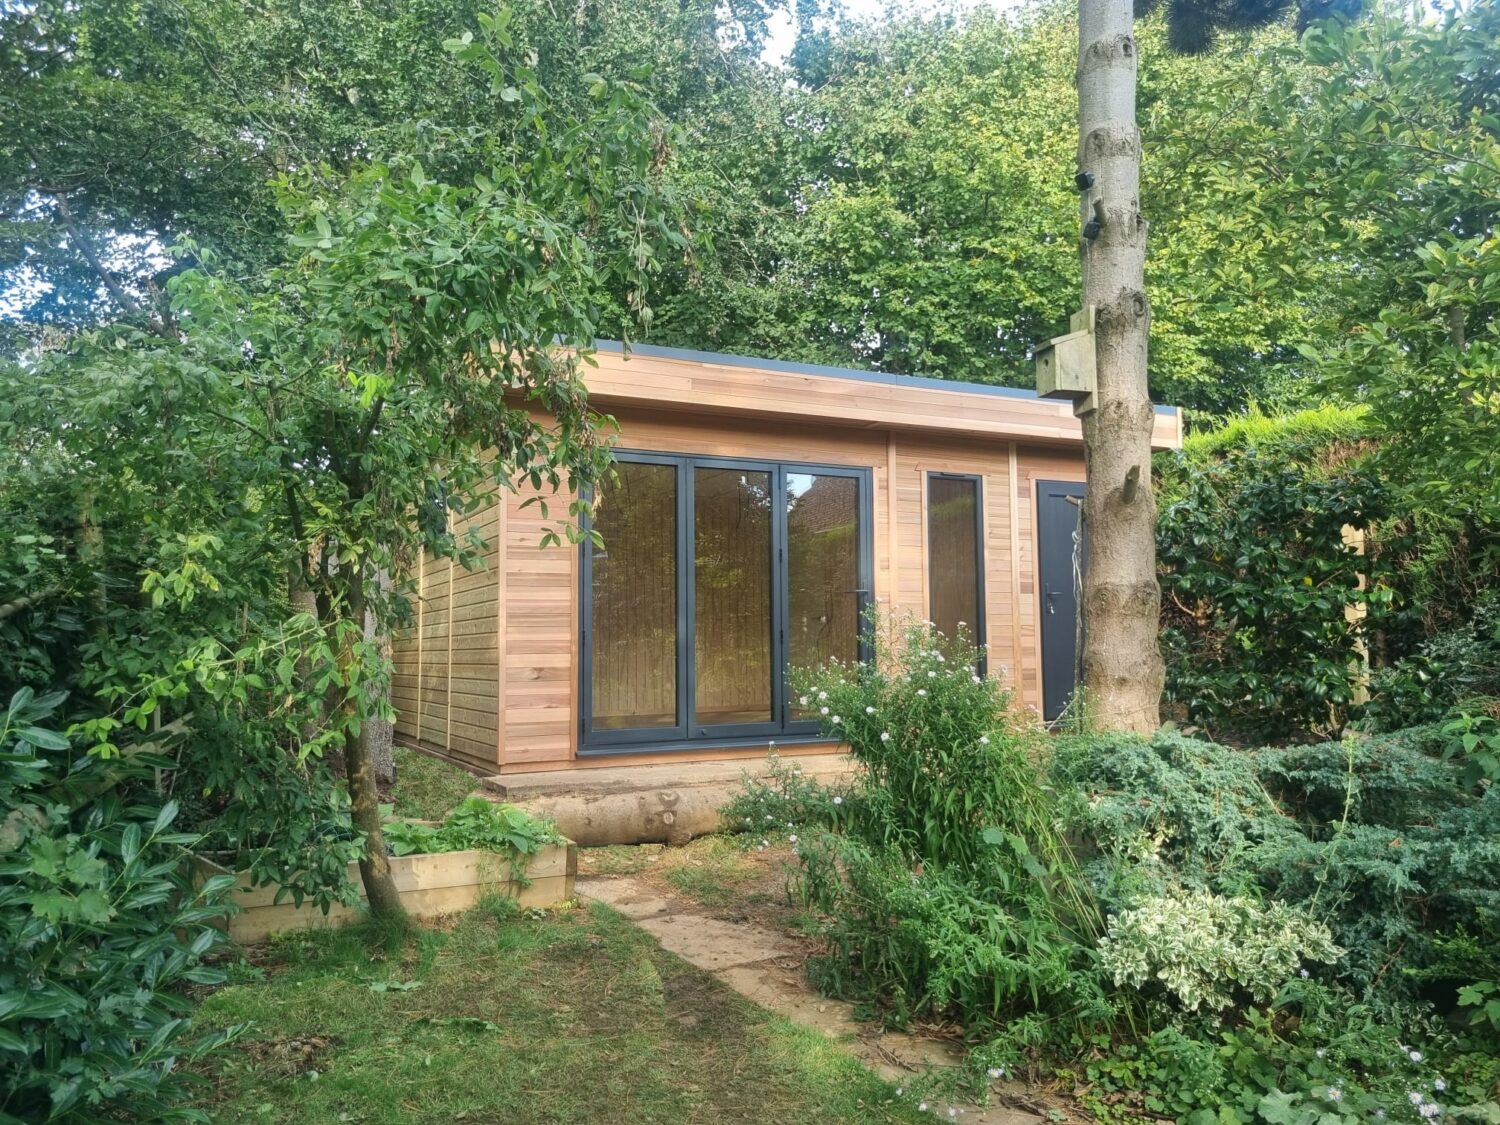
<point x="1065" y="364"/>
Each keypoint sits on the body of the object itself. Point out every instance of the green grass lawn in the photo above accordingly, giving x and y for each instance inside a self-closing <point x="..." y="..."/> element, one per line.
<point x="427" y="788"/>
<point x="569" y="1017"/>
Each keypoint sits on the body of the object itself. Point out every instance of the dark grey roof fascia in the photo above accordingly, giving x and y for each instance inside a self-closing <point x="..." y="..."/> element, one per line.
<point x="856" y="373"/>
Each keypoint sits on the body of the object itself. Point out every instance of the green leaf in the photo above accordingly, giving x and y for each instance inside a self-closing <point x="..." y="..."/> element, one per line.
<point x="1280" y="1108"/>
<point x="43" y="739"/>
<point x="165" y="815"/>
<point x="130" y="843"/>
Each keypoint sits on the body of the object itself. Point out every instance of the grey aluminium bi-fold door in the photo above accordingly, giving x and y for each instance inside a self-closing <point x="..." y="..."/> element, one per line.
<point x="711" y="579"/>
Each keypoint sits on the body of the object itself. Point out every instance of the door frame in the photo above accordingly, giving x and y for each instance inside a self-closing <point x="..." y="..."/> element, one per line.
<point x="685" y="734"/>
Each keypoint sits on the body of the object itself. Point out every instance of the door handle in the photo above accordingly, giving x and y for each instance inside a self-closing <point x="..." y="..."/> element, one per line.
<point x="1049" y="593"/>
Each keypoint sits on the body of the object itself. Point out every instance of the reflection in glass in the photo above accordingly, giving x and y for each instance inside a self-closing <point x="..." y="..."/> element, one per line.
<point x="953" y="555"/>
<point x="822" y="547"/>
<point x="732" y="596"/>
<point x="633" y="621"/>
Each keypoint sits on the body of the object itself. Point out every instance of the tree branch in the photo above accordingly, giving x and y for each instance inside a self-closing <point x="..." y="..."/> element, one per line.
<point x="20" y="605"/>
<point x="86" y="247"/>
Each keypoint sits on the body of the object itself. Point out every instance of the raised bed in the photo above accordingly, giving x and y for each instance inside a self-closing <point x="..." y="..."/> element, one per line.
<point x="430" y="884"/>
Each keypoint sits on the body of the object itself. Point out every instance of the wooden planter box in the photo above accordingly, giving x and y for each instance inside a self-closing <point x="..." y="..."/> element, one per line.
<point x="430" y="884"/>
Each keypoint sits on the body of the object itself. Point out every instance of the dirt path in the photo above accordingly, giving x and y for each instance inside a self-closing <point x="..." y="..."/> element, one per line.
<point x="765" y="965"/>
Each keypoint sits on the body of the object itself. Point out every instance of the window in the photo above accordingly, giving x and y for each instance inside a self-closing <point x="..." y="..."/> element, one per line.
<point x="955" y="557"/>
<point x="714" y="577"/>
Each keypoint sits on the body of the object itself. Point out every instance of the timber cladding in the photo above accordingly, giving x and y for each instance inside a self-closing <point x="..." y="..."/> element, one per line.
<point x="488" y="673"/>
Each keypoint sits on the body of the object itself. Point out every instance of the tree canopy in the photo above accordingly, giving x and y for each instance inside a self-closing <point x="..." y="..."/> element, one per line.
<point x="897" y="196"/>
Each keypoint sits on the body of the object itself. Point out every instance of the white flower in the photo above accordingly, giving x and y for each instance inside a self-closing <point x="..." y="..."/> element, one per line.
<point x="1429" y="1109"/>
<point x="885" y="736"/>
<point x="1335" y="1094"/>
<point x="976" y="679"/>
<point x="900" y="1090"/>
<point x="921" y="691"/>
<point x="791" y="839"/>
<point x="822" y="710"/>
<point x="941" y="659"/>
<point x="1414" y="1096"/>
<point x="1379" y="1113"/>
<point x="803" y="701"/>
<point x="931" y="675"/>
<point x="984" y="740"/>
<point x="838" y="800"/>
<point x="997" y="1072"/>
<point x="822" y="695"/>
<point x="869" y="710"/>
<point x="952" y="1111"/>
<point x="1304" y="974"/>
<point x="1439" y="1085"/>
<point x="1415" y="1056"/>
<point x="923" y="1107"/>
<point x="1320" y="1052"/>
<point x="837" y="720"/>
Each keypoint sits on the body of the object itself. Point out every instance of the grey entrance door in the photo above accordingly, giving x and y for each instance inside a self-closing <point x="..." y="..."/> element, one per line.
<point x="1061" y="552"/>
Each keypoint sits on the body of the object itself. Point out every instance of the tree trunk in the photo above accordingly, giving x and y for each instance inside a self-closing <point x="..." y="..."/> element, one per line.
<point x="359" y="775"/>
<point x="1122" y="666"/>
<point x="382" y="737"/>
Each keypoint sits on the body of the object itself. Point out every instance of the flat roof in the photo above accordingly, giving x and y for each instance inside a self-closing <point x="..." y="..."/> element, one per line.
<point x="728" y="359"/>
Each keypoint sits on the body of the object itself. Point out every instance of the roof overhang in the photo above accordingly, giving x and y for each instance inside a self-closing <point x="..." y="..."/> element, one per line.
<point x="678" y="379"/>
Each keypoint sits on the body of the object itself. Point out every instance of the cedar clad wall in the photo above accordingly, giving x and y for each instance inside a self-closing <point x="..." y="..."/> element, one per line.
<point x="488" y="673"/>
<point x="445" y="683"/>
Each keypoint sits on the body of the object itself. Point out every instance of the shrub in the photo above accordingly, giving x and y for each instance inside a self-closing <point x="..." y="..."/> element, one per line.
<point x="476" y="823"/>
<point x="267" y="810"/>
<point x="1450" y="666"/>
<point x="99" y="929"/>
<point x="1320" y="1056"/>
<point x="1200" y="945"/>
<point x="1165" y="812"/>
<point x="785" y="802"/>
<point x="1257" y="582"/>
<point x="946" y="886"/>
<point x="1315" y="1056"/>
<point x="1379" y="838"/>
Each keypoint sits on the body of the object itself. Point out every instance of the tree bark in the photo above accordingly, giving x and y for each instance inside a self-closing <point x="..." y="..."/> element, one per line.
<point x="85" y="246"/>
<point x="382" y="737"/>
<point x="364" y="797"/>
<point x="1123" y="672"/>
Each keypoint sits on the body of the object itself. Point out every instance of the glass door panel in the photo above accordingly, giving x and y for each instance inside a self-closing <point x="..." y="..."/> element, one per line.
<point x="633" y="618"/>
<point x="824" y="597"/>
<point x="732" y="566"/>
<point x="954" y="561"/>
